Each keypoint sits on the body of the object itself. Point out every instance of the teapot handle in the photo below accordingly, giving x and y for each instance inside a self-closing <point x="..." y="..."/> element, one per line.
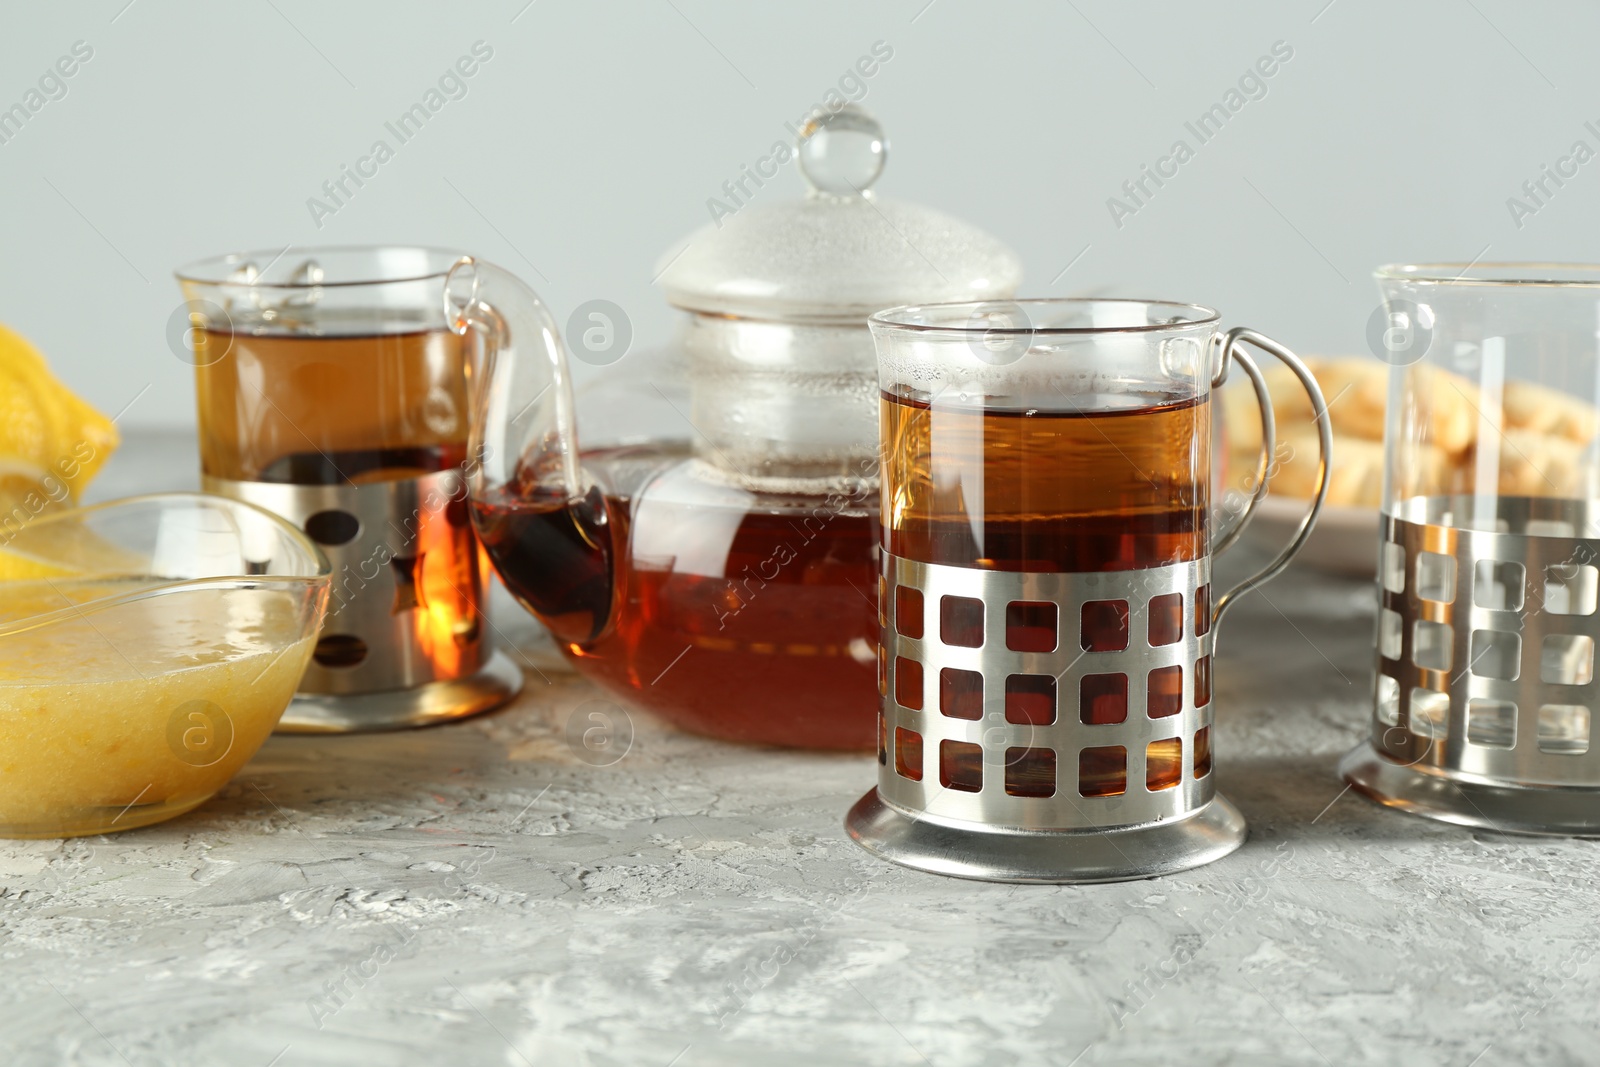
<point x="523" y="416"/>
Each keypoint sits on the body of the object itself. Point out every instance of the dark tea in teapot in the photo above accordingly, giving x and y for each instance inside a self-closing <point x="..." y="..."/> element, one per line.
<point x="748" y="616"/>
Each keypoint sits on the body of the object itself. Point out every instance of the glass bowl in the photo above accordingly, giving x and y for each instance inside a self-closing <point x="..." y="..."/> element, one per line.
<point x="147" y="648"/>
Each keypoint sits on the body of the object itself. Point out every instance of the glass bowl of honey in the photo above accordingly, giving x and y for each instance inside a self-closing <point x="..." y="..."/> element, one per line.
<point x="147" y="648"/>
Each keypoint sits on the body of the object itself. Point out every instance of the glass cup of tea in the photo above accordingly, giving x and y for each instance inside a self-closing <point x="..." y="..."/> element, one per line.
<point x="1046" y="610"/>
<point x="332" y="391"/>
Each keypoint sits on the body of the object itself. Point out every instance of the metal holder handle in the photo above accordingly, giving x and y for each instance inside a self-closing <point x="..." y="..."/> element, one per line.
<point x="1231" y="350"/>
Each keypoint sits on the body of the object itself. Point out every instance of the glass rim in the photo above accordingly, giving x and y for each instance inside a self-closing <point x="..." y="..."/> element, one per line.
<point x="1533" y="273"/>
<point x="321" y="573"/>
<point x="98" y="605"/>
<point x="961" y="314"/>
<point x="213" y="270"/>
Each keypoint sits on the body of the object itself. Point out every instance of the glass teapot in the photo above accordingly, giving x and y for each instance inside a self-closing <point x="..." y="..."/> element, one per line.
<point x="724" y="577"/>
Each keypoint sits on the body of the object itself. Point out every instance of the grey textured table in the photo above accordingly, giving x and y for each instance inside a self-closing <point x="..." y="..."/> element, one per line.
<point x="481" y="895"/>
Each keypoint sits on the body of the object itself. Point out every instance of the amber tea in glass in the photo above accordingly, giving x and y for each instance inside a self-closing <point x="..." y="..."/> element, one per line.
<point x="1119" y="482"/>
<point x="1110" y="482"/>
<point x="348" y="403"/>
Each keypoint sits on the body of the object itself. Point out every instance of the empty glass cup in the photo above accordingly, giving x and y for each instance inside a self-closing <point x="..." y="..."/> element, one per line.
<point x="1489" y="546"/>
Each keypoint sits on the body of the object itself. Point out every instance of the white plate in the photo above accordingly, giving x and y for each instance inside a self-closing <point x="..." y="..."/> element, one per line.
<point x="1345" y="540"/>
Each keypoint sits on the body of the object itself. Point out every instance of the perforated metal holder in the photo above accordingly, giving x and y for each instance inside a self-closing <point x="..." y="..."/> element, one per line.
<point x="1046" y="727"/>
<point x="380" y="664"/>
<point x="1485" y="682"/>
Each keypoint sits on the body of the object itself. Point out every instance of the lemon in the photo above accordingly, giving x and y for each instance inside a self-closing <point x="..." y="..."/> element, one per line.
<point x="51" y="444"/>
<point x="17" y="566"/>
<point x="46" y="432"/>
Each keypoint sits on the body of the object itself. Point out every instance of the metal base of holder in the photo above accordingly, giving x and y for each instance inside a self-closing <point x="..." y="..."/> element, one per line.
<point x="1558" y="811"/>
<point x="399" y="709"/>
<point x="991" y="854"/>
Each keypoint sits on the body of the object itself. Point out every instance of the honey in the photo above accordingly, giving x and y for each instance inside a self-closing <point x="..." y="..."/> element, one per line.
<point x="128" y="714"/>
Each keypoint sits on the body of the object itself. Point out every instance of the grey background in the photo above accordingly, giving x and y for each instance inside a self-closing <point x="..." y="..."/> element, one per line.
<point x="594" y="137"/>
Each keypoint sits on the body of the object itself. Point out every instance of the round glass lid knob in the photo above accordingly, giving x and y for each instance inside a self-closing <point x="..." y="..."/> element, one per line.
<point x="842" y="152"/>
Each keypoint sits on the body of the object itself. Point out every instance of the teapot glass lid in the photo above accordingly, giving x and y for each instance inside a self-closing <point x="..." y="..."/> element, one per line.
<point x="840" y="253"/>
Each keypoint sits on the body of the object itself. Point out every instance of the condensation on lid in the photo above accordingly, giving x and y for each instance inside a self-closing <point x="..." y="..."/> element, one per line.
<point x="841" y="252"/>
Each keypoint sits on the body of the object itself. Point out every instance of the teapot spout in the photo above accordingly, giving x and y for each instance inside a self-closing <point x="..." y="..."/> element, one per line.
<point x="524" y="435"/>
<point x="544" y="525"/>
